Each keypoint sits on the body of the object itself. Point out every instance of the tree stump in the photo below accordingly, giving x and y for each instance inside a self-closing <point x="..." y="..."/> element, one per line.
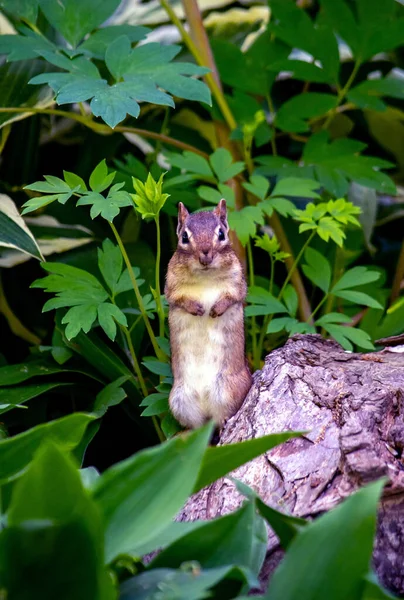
<point x="352" y="407"/>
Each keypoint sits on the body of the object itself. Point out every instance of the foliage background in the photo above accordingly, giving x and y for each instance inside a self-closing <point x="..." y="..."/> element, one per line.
<point x="306" y="109"/>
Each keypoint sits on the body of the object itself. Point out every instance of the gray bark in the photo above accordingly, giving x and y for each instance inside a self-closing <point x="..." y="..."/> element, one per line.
<point x="352" y="405"/>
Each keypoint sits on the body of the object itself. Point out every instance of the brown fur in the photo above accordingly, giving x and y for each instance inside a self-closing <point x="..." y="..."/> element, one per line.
<point x="205" y="289"/>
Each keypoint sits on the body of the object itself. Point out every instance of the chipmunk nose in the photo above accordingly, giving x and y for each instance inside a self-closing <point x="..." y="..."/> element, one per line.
<point x="205" y="257"/>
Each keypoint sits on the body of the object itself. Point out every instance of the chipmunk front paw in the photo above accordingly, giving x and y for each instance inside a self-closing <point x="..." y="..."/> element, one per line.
<point x="197" y="309"/>
<point x="217" y="310"/>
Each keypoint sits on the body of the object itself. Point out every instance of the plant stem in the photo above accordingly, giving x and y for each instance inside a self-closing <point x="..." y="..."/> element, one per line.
<point x="271" y="280"/>
<point x="341" y="94"/>
<point x="87" y="121"/>
<point x="201" y="51"/>
<point x="294" y="275"/>
<point x="139" y="299"/>
<point x="319" y="305"/>
<point x="135" y="361"/>
<point x="398" y="277"/>
<point x="159" y="304"/>
<point x="296" y="262"/>
<point x="256" y="357"/>
<point x="272" y="111"/>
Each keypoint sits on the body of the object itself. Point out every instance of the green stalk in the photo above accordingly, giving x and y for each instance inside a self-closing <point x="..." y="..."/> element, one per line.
<point x="159" y="304"/>
<point x="296" y="262"/>
<point x="139" y="299"/>
<point x="319" y="305"/>
<point x="87" y="121"/>
<point x="189" y="7"/>
<point x="141" y="380"/>
<point x="341" y="94"/>
<point x="289" y="276"/>
<point x="253" y="320"/>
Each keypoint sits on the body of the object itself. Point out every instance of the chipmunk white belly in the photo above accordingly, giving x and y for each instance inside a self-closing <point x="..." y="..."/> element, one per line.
<point x="201" y="344"/>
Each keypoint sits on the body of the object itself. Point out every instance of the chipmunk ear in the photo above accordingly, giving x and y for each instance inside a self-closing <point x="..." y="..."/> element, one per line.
<point x="221" y="212"/>
<point x="182" y="215"/>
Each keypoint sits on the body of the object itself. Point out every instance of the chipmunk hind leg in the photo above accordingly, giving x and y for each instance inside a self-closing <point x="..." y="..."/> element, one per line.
<point x="228" y="395"/>
<point x="186" y="408"/>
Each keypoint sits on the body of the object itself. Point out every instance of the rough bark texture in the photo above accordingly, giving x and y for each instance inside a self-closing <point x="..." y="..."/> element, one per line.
<point x="353" y="407"/>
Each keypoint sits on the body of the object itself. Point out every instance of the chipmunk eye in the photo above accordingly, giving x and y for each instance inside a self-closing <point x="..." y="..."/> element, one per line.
<point x="185" y="238"/>
<point x="221" y="235"/>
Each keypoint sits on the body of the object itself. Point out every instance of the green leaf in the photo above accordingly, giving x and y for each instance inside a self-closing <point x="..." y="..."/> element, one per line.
<point x="220" y="460"/>
<point x="83" y="292"/>
<point x="108" y="315"/>
<point x="99" y="178"/>
<point x="354" y="277"/>
<point x="358" y="298"/>
<point x="149" y="198"/>
<point x="317" y="269"/>
<point x="108" y="207"/>
<point x="292" y="114"/>
<point x="338" y="162"/>
<point x="332" y="553"/>
<point x="332" y="317"/>
<point x="238" y="538"/>
<point x="75" y="19"/>
<point x="126" y="493"/>
<point x="345" y="335"/>
<point x="373" y="589"/>
<point x="222" y="164"/>
<point x="54" y="186"/>
<point x="182" y="584"/>
<point x="66" y="541"/>
<point x="290" y="299"/>
<point x="368" y="93"/>
<point x="296" y="186"/>
<point x="159" y="368"/>
<point x="106" y="362"/>
<point x="16" y="452"/>
<point x="14" y="397"/>
<point x="244" y="222"/>
<point x="258" y="186"/>
<point x="283" y="206"/>
<point x="263" y="302"/>
<point x="111" y="395"/>
<point x="13" y="374"/>
<point x="97" y="43"/>
<point x="285" y="526"/>
<point x="13" y="231"/>
<point x="110" y="263"/>
<point x="190" y="162"/>
<point x="74" y="181"/>
<point x="25" y="9"/>
<point x="328" y="228"/>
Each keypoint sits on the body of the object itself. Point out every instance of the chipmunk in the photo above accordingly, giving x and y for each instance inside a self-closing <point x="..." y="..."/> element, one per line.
<point x="205" y="289"/>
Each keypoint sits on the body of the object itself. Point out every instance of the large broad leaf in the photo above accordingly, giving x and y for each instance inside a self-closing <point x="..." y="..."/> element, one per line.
<point x="239" y="538"/>
<point x="293" y="26"/>
<point x="14" y="88"/>
<point x="126" y="493"/>
<point x="61" y="556"/>
<point x="140" y="75"/>
<point x="292" y="114"/>
<point x="331" y="555"/>
<point x="13" y="231"/>
<point x="12" y="397"/>
<point x="376" y="28"/>
<point x="17" y="452"/>
<point x="13" y="374"/>
<point x="75" y="19"/>
<point x="193" y="584"/>
<point x="106" y="362"/>
<point x="285" y="526"/>
<point x="220" y="460"/>
<point x="317" y="269"/>
<point x="338" y="162"/>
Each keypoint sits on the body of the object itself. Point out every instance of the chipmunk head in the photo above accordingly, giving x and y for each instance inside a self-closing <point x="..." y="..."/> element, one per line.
<point x="203" y="235"/>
